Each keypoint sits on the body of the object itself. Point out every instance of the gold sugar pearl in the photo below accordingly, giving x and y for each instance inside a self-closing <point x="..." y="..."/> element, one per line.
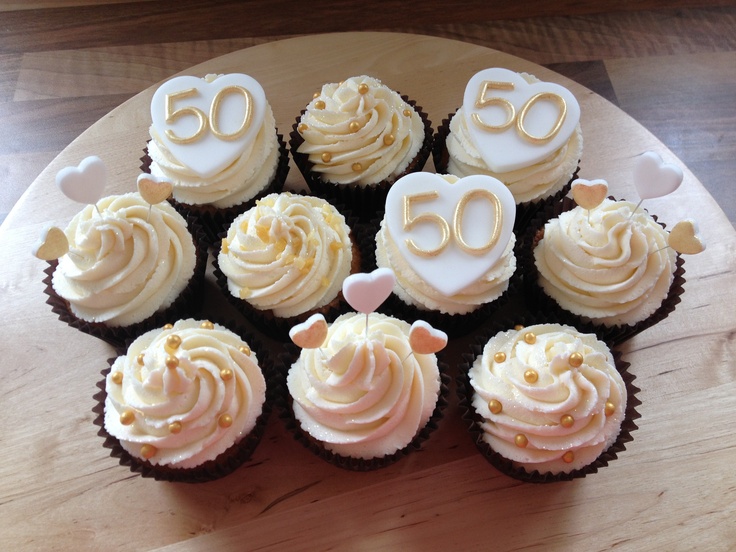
<point x="117" y="378"/>
<point x="127" y="417"/>
<point x="500" y="356"/>
<point x="531" y="376"/>
<point x="567" y="421"/>
<point x="175" y="427"/>
<point x="245" y="350"/>
<point x="168" y="326"/>
<point x="224" y="421"/>
<point x="139" y="359"/>
<point x="530" y="338"/>
<point x="519" y="327"/>
<point x="326" y="157"/>
<point x="172" y="342"/>
<point x="407" y="113"/>
<point x="148" y="451"/>
<point x="319" y="104"/>
<point x="568" y="457"/>
<point x="389" y="139"/>
<point x="315" y="95"/>
<point x="576" y="360"/>
<point x="521" y="441"/>
<point x="302" y="127"/>
<point x="495" y="406"/>
<point x="363" y="88"/>
<point x="357" y="167"/>
<point x="172" y="362"/>
<point x="354" y="126"/>
<point x="609" y="408"/>
<point x="226" y="374"/>
<point x="207" y="325"/>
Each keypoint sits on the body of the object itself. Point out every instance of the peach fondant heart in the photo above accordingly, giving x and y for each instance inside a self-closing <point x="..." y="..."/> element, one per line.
<point x="84" y="183"/>
<point x="684" y="238"/>
<point x="153" y="189"/>
<point x="311" y="333"/>
<point x="589" y="193"/>
<point x="365" y="292"/>
<point x="655" y="178"/>
<point x="53" y="244"/>
<point x="424" y="339"/>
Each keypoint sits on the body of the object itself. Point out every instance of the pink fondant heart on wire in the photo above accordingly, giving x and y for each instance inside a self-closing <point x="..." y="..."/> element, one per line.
<point x="311" y="333"/>
<point x="53" y="244"/>
<point x="84" y="183"/>
<point x="589" y="194"/>
<point x="365" y="292"/>
<point x="153" y="189"/>
<point x="655" y="178"/>
<point x="684" y="238"/>
<point x="425" y="340"/>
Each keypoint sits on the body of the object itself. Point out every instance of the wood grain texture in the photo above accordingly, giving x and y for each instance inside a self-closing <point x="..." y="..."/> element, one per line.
<point x="672" y="489"/>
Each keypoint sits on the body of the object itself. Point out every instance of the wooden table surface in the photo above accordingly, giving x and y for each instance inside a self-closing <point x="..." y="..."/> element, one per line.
<point x="673" y="488"/>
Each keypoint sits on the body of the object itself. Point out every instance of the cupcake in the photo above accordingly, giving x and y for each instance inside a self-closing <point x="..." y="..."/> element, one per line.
<point x="185" y="403"/>
<point x="450" y="243"/>
<point x="549" y="403"/>
<point x="518" y="129"/>
<point x="609" y="266"/>
<point x="129" y="266"/>
<point x="215" y="140"/>
<point x="357" y="137"/>
<point x="359" y="397"/>
<point x="285" y="259"/>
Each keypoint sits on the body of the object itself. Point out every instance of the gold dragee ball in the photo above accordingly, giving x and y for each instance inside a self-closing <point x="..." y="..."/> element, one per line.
<point x="519" y="327"/>
<point x="363" y="88"/>
<point x="168" y="326"/>
<point x="225" y="421"/>
<point x="500" y="356"/>
<point x="302" y="127"/>
<point x="354" y="126"/>
<point x="148" y="451"/>
<point x="226" y="374"/>
<point x="521" y="441"/>
<point x="117" y="378"/>
<point x="576" y="360"/>
<point x="175" y="427"/>
<point x="139" y="359"/>
<point x="245" y="350"/>
<point x="173" y="342"/>
<point x="407" y="113"/>
<point x="609" y="408"/>
<point x="357" y="167"/>
<point x="530" y="338"/>
<point x="207" y="325"/>
<point x="568" y="457"/>
<point x="326" y="157"/>
<point x="389" y="139"/>
<point x="531" y="376"/>
<point x="319" y="104"/>
<point x="567" y="421"/>
<point x="495" y="406"/>
<point x="127" y="417"/>
<point x="171" y="362"/>
<point x="315" y="95"/>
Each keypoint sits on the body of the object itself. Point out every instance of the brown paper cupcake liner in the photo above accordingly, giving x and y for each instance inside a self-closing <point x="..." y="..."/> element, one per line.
<point x="283" y="403"/>
<point x="525" y="211"/>
<point x="214" y="219"/>
<point x="537" y="299"/>
<point x="366" y="201"/>
<point x="473" y="420"/>
<point x="225" y="463"/>
<point x="188" y="303"/>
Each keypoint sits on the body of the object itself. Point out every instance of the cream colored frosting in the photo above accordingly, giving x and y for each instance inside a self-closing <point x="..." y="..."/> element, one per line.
<point x="414" y="290"/>
<point x="536" y="410"/>
<point x="605" y="264"/>
<point x="126" y="261"/>
<point x="251" y="172"/>
<point x="193" y="395"/>
<point x="364" y="396"/>
<point x="289" y="253"/>
<point x="532" y="183"/>
<point x="389" y="136"/>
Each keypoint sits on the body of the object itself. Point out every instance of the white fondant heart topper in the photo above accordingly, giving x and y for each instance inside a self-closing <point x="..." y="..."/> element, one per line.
<point x="450" y="234"/>
<point x="206" y="125"/>
<point x="498" y="101"/>
<point x="655" y="178"/>
<point x="365" y="292"/>
<point x="84" y="183"/>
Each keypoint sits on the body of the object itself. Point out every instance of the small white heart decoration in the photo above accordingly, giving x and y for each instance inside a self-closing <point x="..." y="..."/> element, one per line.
<point x="685" y="238"/>
<point x="189" y="106"/>
<point x="655" y="178"/>
<point x="471" y="201"/>
<point x="84" y="183"/>
<point x="365" y="292"/>
<point x="488" y="95"/>
<point x="52" y="245"/>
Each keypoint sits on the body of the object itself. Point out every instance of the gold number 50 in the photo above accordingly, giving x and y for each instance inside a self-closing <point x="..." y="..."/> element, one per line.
<point x="454" y="232"/>
<point x="203" y="120"/>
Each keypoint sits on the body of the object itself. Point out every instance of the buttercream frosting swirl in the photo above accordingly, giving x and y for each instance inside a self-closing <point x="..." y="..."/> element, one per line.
<point x="182" y="411"/>
<point x="289" y="253"/>
<point x="563" y="416"/>
<point x="127" y="260"/>
<point x="531" y="183"/>
<point x="360" y="132"/>
<point x="364" y="395"/>
<point x="606" y="264"/>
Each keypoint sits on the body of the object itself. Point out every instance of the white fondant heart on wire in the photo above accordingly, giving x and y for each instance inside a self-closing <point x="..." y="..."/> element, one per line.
<point x="366" y="291"/>
<point x="589" y="193"/>
<point x="424" y="339"/>
<point x="684" y="238"/>
<point x="501" y="98"/>
<point x="206" y="125"/>
<point x="153" y="189"/>
<point x="52" y="245"/>
<point x="311" y="333"/>
<point x="422" y="207"/>
<point x="84" y="183"/>
<point x="655" y="178"/>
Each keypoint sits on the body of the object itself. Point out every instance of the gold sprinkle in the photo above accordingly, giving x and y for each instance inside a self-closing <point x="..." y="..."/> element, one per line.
<point x="168" y="326"/>
<point x="576" y="360"/>
<point x="363" y="88"/>
<point x="140" y="359"/>
<point x="568" y="457"/>
<point x="531" y="376"/>
<point x="354" y="126"/>
<point x="245" y="350"/>
<point x="207" y="325"/>
<point x="263" y="233"/>
<point x="226" y="374"/>
<point x="495" y="406"/>
<point x="407" y="113"/>
<point x="335" y="245"/>
<point x="357" y="167"/>
<point x="225" y="248"/>
<point x="175" y="427"/>
<point x="225" y="421"/>
<point x="127" y="417"/>
<point x="610" y="408"/>
<point x="244" y="293"/>
<point x="500" y="356"/>
<point x="319" y="104"/>
<point x="389" y="139"/>
<point x="302" y="127"/>
<point x="326" y="157"/>
<point x="117" y="378"/>
<point x="325" y="282"/>
<point x="148" y="451"/>
<point x="567" y="421"/>
<point x="521" y="441"/>
<point x="171" y="362"/>
<point x="530" y="338"/>
<point x="173" y="342"/>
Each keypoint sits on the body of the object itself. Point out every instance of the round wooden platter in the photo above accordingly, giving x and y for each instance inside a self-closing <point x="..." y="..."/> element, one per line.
<point x="673" y="488"/>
